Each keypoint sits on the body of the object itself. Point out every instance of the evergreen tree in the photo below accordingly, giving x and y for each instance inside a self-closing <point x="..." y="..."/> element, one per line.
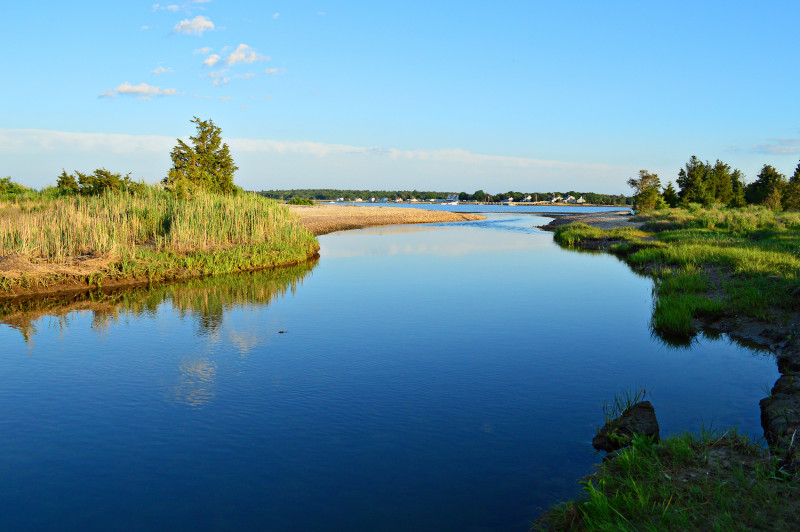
<point x="791" y="196"/>
<point x="738" y="187"/>
<point x="719" y="180"/>
<point x="692" y="182"/>
<point x="767" y="189"/>
<point x="670" y="196"/>
<point x="206" y="164"/>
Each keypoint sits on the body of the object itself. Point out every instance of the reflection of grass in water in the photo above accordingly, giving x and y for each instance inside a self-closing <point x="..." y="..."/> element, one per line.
<point x="205" y="298"/>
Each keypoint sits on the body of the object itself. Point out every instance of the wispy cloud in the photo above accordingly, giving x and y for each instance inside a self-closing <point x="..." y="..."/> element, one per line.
<point x="244" y="54"/>
<point x="780" y="146"/>
<point x="226" y="98"/>
<point x="245" y="76"/>
<point x="272" y="71"/>
<point x="197" y="25"/>
<point x="211" y="60"/>
<point x="275" y="16"/>
<point x="161" y="70"/>
<point x="142" y="90"/>
<point x="203" y="51"/>
<point x="218" y="78"/>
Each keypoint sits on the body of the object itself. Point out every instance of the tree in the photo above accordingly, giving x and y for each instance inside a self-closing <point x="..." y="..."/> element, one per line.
<point x="207" y="164"/>
<point x="646" y="190"/>
<point x="791" y="196"/>
<point x="692" y="182"/>
<point x="670" y="196"/>
<point x="767" y="189"/>
<point x="719" y="180"/>
<point x="738" y="187"/>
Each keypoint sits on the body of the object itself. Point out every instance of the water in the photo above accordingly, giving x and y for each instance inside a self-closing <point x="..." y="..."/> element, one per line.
<point x="444" y="377"/>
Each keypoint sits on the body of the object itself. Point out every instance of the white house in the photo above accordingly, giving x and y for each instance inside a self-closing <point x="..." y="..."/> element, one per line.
<point x="569" y="199"/>
<point x="580" y="200"/>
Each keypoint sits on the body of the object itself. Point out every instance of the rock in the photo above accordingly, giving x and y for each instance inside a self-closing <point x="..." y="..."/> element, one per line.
<point x="640" y="418"/>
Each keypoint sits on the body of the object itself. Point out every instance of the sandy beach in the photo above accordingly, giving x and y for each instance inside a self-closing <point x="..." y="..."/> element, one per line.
<point x="323" y="219"/>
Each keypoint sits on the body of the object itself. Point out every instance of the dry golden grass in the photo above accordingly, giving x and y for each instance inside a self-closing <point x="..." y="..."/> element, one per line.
<point x="323" y="219"/>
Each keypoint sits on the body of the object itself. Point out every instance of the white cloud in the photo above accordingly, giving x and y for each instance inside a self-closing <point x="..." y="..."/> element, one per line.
<point x="141" y="90"/>
<point x="211" y="60"/>
<point x="197" y="25"/>
<point x="144" y="28"/>
<point x="161" y="70"/>
<point x="275" y="16"/>
<point x="782" y="146"/>
<point x="36" y="157"/>
<point x="271" y="71"/>
<point x="244" y="54"/>
<point x="203" y="51"/>
<point x="226" y="98"/>
<point x="245" y="76"/>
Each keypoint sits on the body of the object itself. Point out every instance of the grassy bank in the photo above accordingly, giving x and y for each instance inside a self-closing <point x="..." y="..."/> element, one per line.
<point x="709" y="264"/>
<point x="707" y="481"/>
<point x="49" y="241"/>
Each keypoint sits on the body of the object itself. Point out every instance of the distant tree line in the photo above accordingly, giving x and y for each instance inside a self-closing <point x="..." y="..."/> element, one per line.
<point x="717" y="184"/>
<point x="328" y="194"/>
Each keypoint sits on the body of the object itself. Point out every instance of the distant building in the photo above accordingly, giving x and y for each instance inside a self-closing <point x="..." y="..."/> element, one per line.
<point x="452" y="197"/>
<point x="359" y="200"/>
<point x="399" y="200"/>
<point x="580" y="200"/>
<point x="570" y="199"/>
<point x="556" y="199"/>
<point x="527" y="199"/>
<point x="384" y="200"/>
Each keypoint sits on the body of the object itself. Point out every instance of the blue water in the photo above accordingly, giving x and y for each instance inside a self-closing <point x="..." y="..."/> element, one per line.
<point x="517" y="208"/>
<point x="444" y="377"/>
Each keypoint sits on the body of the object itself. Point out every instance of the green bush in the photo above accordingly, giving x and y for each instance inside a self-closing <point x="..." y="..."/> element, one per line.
<point x="300" y="201"/>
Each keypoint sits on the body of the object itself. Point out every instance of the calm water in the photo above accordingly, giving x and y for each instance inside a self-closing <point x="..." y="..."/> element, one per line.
<point x="416" y="378"/>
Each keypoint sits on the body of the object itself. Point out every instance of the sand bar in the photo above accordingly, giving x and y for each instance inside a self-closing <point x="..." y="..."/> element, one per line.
<point x="323" y="219"/>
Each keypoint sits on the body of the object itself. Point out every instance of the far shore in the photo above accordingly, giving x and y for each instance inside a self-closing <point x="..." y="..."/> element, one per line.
<point x="322" y="219"/>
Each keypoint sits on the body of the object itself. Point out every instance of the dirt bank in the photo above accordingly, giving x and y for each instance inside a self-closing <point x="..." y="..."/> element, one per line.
<point x="323" y="219"/>
<point x="603" y="220"/>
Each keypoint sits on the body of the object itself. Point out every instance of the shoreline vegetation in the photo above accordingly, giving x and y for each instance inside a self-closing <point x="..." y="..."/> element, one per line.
<point x="51" y="243"/>
<point x="715" y="270"/>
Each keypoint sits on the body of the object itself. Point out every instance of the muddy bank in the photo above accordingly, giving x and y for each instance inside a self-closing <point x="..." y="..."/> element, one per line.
<point x="324" y="219"/>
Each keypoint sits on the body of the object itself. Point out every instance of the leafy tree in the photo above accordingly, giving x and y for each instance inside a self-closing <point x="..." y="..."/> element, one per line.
<point x="9" y="189"/>
<point x="479" y="195"/>
<point x="646" y="190"/>
<point x="670" y="195"/>
<point x="207" y="164"/>
<point x="767" y="189"/>
<point x="95" y="183"/>
<point x="67" y="183"/>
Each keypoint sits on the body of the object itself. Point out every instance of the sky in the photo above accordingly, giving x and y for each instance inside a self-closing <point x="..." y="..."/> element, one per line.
<point x="450" y="96"/>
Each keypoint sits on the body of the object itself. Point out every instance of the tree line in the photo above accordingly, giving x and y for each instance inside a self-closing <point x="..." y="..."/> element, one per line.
<point x="717" y="184"/>
<point x="331" y="194"/>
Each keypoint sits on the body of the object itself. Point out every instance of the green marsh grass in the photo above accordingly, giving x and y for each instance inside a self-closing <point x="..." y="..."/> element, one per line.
<point x="154" y="233"/>
<point x="706" y="481"/>
<point x="708" y="263"/>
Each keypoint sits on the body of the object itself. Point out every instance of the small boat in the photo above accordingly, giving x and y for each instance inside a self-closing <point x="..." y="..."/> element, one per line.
<point x="451" y="202"/>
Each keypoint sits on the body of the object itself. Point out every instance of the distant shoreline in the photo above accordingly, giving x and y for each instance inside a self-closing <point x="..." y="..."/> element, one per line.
<point x="322" y="219"/>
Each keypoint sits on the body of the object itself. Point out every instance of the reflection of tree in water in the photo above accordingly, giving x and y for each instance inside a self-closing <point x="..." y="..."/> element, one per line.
<point x="207" y="300"/>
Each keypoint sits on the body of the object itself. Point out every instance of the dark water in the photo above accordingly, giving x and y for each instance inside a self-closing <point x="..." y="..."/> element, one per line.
<point x="417" y="378"/>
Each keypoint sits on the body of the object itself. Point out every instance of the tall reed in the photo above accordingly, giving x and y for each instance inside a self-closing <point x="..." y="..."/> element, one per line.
<point x="121" y="225"/>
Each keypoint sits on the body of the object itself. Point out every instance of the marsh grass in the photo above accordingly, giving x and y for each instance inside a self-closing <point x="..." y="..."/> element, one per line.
<point x="708" y="263"/>
<point x="622" y="401"/>
<point x="706" y="481"/>
<point x="154" y="232"/>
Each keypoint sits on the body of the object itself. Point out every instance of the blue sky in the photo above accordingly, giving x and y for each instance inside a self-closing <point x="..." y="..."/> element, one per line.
<point x="440" y="95"/>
